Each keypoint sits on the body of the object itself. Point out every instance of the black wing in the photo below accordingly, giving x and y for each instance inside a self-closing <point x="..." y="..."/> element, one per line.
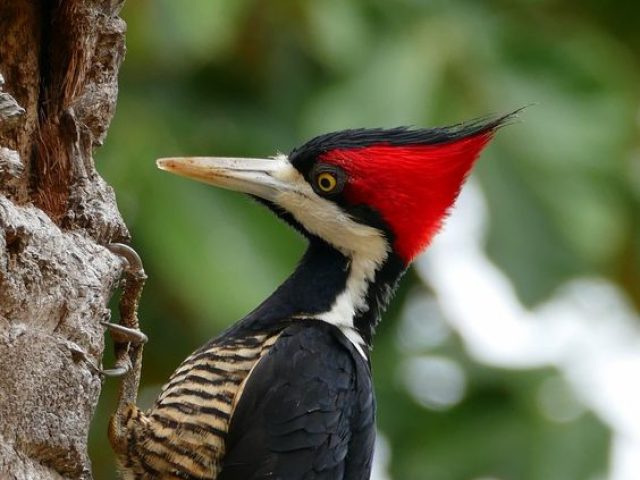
<point x="307" y="412"/>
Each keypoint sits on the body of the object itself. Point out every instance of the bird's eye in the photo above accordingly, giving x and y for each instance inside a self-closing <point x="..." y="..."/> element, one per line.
<point x="326" y="182"/>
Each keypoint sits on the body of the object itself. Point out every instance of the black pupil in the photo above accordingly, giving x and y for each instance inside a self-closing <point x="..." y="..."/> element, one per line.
<point x="325" y="183"/>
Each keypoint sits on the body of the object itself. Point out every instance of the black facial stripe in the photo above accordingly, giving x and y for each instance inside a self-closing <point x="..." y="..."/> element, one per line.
<point x="363" y="214"/>
<point x="284" y="215"/>
<point x="368" y="216"/>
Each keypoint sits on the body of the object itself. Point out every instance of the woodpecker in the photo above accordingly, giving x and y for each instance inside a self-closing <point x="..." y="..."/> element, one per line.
<point x="286" y="393"/>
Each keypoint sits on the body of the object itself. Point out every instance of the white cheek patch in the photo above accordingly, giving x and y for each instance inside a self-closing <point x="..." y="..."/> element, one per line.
<point x="325" y="219"/>
<point x="365" y="246"/>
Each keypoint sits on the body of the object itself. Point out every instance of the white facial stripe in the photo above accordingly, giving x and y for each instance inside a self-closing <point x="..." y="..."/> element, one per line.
<point x="365" y="246"/>
<point x="324" y="218"/>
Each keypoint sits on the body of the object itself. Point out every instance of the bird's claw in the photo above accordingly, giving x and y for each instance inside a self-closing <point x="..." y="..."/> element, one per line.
<point x="121" y="334"/>
<point x="116" y="371"/>
<point x="130" y="257"/>
<point x="127" y="338"/>
<point x="120" y="369"/>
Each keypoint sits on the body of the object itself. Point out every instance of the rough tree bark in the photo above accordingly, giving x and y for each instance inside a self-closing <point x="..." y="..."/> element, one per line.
<point x="59" y="60"/>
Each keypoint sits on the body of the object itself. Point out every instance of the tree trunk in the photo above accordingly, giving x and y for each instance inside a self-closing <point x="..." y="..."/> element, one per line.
<point x="59" y="60"/>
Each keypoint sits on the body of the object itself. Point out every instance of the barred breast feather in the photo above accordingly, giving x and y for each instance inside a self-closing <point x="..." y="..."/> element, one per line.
<point x="182" y="437"/>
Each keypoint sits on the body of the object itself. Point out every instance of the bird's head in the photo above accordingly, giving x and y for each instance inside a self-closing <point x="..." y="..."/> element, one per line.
<point x="367" y="192"/>
<point x="369" y="200"/>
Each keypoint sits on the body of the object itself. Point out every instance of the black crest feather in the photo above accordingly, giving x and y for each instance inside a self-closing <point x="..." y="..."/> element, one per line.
<point x="302" y="157"/>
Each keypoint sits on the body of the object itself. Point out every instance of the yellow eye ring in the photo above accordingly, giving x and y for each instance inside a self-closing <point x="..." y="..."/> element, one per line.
<point x="326" y="182"/>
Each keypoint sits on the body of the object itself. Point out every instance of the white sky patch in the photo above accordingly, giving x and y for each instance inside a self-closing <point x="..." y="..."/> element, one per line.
<point x="588" y="330"/>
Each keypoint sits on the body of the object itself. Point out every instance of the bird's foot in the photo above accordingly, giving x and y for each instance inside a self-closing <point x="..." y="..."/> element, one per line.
<point x="128" y="343"/>
<point x="126" y="335"/>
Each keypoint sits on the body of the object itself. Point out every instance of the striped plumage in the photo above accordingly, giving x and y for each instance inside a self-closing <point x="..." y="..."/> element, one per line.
<point x="183" y="434"/>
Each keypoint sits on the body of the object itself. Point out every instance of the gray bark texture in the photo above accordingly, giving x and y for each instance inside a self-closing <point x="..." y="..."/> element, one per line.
<point x="59" y="61"/>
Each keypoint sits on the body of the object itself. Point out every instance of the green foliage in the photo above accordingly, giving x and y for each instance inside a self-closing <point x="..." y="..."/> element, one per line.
<point x="249" y="78"/>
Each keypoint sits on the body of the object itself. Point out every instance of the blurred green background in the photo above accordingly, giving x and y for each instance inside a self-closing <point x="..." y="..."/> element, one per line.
<point x="250" y="78"/>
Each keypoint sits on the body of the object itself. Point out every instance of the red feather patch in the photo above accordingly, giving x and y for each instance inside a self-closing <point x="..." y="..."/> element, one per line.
<point x="412" y="186"/>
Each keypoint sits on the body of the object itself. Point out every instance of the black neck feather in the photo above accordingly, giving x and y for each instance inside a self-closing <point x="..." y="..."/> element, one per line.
<point x="312" y="288"/>
<point x="319" y="279"/>
<point x="379" y="295"/>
